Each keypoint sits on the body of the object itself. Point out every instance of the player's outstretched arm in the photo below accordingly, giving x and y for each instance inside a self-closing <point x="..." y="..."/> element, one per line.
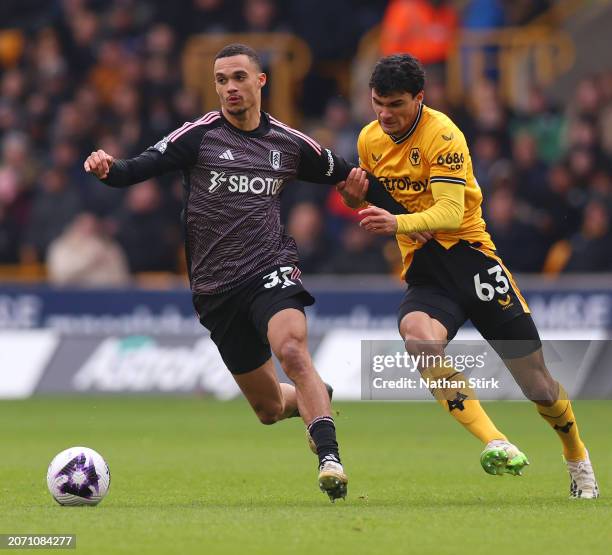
<point x="360" y="187"/>
<point x="354" y="188"/>
<point x="99" y="164"/>
<point x="123" y="173"/>
<point x="177" y="151"/>
<point x="320" y="165"/>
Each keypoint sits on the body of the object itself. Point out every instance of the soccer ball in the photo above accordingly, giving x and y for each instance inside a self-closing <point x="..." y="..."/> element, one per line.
<point x="78" y="476"/>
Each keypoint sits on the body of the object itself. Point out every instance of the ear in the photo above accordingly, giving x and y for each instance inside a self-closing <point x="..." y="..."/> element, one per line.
<point x="262" y="78"/>
<point x="420" y="96"/>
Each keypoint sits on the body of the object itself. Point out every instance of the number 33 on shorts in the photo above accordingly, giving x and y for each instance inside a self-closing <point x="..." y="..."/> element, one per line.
<point x="285" y="276"/>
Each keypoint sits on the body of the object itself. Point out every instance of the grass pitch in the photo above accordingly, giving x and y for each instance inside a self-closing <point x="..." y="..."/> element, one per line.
<point x="197" y="476"/>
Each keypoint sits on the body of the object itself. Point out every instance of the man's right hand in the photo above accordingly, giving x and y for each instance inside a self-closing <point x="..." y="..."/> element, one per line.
<point x="421" y="236"/>
<point x="354" y="189"/>
<point x="99" y="163"/>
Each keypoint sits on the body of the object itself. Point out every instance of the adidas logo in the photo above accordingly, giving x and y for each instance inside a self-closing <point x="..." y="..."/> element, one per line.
<point x="331" y="458"/>
<point x="227" y="155"/>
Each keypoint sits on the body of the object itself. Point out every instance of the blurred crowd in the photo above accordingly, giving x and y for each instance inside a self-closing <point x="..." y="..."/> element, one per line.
<point x="82" y="74"/>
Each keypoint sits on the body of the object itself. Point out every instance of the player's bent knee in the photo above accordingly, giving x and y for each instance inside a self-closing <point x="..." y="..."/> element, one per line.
<point x="421" y="343"/>
<point x="293" y="356"/>
<point x="267" y="419"/>
<point x="269" y="414"/>
<point x="419" y="336"/>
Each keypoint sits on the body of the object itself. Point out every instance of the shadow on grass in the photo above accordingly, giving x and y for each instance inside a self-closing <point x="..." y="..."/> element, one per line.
<point x="450" y="502"/>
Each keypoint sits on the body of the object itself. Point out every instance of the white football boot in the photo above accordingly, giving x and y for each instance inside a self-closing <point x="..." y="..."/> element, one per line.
<point x="583" y="484"/>
<point x="332" y="479"/>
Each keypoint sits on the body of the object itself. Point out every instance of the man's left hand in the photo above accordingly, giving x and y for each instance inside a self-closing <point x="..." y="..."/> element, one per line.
<point x="354" y="189"/>
<point x="378" y="221"/>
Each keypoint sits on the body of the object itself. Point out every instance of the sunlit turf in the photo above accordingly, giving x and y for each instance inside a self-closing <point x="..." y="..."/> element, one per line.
<point x="192" y="475"/>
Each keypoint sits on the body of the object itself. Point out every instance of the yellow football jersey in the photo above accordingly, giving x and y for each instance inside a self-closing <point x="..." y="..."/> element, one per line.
<point x="433" y="150"/>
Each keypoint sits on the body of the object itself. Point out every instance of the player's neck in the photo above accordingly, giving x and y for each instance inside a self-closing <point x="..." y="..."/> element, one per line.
<point x="411" y="124"/>
<point x="247" y="121"/>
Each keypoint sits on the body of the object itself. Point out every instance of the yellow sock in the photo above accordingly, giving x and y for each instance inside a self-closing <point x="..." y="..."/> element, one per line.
<point x="462" y="404"/>
<point x="561" y="417"/>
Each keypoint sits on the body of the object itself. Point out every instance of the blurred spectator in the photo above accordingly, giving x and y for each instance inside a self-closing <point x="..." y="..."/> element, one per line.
<point x="160" y="41"/>
<point x="12" y="87"/>
<point x="601" y="184"/>
<point x="148" y="236"/>
<point x="487" y="158"/>
<point x="588" y="250"/>
<point x="591" y="246"/>
<point x="435" y="97"/>
<point x="424" y="28"/>
<point x="337" y="119"/>
<point x="198" y="16"/>
<point x="261" y="16"/>
<point x="605" y="129"/>
<point x="317" y="21"/>
<point x="332" y="44"/>
<point x="530" y="170"/>
<point x="511" y="229"/>
<point x="80" y="33"/>
<point x="56" y="204"/>
<point x="9" y="237"/>
<point x="587" y="98"/>
<point x="18" y="172"/>
<point x="305" y="225"/>
<point x="83" y="255"/>
<point x="359" y="252"/>
<point x="106" y="75"/>
<point x="97" y="198"/>
<point x="124" y="119"/>
<point x="185" y="105"/>
<point x="484" y="111"/>
<point x="564" y="202"/>
<point x="582" y="163"/>
<point x="542" y="120"/>
<point x="17" y="165"/>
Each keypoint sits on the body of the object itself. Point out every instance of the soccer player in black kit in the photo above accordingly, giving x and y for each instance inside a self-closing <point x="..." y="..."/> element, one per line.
<point x="242" y="266"/>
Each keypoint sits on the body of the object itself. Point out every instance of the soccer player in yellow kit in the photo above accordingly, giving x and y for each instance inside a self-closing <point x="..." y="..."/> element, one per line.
<point x="451" y="266"/>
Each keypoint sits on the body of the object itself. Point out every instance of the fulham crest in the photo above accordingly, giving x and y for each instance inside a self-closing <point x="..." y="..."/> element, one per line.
<point x="275" y="159"/>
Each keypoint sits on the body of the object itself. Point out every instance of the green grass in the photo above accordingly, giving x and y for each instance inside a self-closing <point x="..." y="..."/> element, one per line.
<point x="196" y="476"/>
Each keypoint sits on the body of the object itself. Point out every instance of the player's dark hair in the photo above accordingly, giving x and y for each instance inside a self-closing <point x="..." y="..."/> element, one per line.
<point x="236" y="49"/>
<point x="398" y="73"/>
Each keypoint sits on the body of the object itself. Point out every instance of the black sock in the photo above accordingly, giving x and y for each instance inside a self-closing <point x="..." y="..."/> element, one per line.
<point x="323" y="433"/>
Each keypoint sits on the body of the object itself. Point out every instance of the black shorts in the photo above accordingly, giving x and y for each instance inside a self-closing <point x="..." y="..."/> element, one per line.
<point x="464" y="283"/>
<point x="238" y="319"/>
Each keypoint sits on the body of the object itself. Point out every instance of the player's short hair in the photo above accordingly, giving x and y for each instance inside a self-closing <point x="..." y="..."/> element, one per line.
<point x="398" y="73"/>
<point x="236" y="49"/>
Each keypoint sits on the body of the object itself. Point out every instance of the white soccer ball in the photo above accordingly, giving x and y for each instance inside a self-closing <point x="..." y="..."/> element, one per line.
<point x="78" y="476"/>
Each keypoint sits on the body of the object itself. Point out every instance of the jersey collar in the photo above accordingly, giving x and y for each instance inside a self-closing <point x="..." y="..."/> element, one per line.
<point x="398" y="140"/>
<point x="260" y="131"/>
